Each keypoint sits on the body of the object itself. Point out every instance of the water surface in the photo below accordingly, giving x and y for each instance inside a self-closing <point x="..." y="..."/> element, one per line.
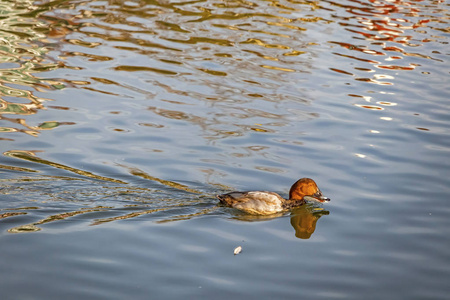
<point x="120" y="121"/>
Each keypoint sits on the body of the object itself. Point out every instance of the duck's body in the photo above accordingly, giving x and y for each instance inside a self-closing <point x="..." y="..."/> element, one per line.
<point x="265" y="203"/>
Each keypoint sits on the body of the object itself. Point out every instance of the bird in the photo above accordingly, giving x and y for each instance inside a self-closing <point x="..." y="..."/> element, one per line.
<point x="266" y="203"/>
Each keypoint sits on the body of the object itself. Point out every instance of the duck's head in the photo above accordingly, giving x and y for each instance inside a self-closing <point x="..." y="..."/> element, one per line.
<point x="306" y="189"/>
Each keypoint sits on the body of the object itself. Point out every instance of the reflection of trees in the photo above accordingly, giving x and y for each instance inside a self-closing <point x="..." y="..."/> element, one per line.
<point x="22" y="54"/>
<point x="388" y="39"/>
<point x="11" y="102"/>
<point x="245" y="62"/>
<point x="382" y="33"/>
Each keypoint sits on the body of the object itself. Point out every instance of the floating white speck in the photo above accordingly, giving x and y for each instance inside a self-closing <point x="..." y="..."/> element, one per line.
<point x="237" y="250"/>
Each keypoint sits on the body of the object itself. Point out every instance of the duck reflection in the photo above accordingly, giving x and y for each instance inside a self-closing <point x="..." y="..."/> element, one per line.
<point x="304" y="220"/>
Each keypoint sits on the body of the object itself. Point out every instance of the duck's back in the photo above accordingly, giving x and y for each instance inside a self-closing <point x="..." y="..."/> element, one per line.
<point x="256" y="202"/>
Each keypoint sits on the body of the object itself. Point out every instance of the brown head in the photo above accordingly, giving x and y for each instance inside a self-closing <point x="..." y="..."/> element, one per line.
<point x="306" y="189"/>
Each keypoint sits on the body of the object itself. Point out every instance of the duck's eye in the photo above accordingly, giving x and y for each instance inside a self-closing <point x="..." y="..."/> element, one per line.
<point x="318" y="194"/>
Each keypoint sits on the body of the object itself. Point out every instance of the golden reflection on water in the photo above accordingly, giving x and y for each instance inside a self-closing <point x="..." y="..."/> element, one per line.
<point x="31" y="156"/>
<point x="386" y="26"/>
<point x="168" y="183"/>
<point x="57" y="217"/>
<point x="261" y="37"/>
<point x="11" y="214"/>
<point x="21" y="56"/>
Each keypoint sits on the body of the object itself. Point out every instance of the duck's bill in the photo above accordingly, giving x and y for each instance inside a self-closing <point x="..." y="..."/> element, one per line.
<point x="317" y="197"/>
<point x="324" y="199"/>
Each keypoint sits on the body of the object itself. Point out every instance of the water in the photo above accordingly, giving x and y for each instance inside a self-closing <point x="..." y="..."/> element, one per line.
<point x="120" y="121"/>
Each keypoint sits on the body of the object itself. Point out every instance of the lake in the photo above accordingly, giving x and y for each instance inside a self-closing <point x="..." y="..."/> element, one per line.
<point x="121" y="120"/>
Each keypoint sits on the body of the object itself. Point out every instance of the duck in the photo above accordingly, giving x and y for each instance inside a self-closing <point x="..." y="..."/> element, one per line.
<point x="266" y="203"/>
